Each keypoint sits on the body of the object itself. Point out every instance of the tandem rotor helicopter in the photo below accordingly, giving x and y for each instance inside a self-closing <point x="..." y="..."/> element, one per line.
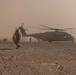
<point x="55" y="35"/>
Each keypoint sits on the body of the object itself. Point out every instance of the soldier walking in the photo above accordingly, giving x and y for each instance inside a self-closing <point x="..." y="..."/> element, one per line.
<point x="16" y="38"/>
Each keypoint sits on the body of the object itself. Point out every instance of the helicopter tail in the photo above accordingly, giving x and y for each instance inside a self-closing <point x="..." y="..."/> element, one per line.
<point x="23" y="31"/>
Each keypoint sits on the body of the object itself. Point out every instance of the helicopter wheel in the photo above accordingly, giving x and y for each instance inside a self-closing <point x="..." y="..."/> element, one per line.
<point x="72" y="41"/>
<point x="50" y="41"/>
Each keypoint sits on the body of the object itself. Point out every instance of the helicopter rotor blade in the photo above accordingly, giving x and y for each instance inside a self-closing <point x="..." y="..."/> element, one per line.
<point x="38" y="27"/>
<point x="68" y="28"/>
<point x="56" y="28"/>
<point x="47" y="27"/>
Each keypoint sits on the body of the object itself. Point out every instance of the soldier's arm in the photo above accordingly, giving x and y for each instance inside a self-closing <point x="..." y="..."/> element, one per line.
<point x="14" y="37"/>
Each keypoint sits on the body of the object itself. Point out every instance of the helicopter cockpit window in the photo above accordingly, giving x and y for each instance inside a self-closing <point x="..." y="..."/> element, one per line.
<point x="65" y="36"/>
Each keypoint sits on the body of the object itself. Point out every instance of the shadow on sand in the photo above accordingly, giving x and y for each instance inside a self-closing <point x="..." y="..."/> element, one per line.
<point x="6" y="49"/>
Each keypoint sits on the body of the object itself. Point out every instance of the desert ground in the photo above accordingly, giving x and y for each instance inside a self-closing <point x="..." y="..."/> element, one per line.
<point x="38" y="58"/>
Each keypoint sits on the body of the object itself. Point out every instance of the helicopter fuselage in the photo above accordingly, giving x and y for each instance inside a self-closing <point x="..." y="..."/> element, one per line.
<point x="50" y="36"/>
<point x="53" y="36"/>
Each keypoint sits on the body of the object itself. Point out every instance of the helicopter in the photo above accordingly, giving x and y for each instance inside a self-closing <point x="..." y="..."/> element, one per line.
<point x="55" y="35"/>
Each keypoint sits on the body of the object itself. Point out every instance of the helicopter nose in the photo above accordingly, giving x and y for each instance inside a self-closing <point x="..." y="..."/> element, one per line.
<point x="72" y="38"/>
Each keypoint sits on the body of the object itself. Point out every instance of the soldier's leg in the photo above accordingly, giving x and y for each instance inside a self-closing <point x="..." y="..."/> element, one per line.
<point x="17" y="44"/>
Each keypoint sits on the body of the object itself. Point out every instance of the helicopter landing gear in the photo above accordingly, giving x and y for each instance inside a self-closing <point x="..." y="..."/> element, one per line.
<point x="50" y="41"/>
<point x="73" y="41"/>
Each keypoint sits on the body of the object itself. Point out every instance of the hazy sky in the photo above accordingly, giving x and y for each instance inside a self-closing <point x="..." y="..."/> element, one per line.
<point x="53" y="13"/>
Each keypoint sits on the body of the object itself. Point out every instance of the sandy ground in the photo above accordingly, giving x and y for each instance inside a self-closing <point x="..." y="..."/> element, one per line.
<point x="38" y="58"/>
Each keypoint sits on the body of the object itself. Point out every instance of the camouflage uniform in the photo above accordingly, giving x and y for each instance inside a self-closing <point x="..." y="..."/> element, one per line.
<point x="16" y="38"/>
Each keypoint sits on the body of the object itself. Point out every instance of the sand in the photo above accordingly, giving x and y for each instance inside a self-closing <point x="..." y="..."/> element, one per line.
<point x="38" y="58"/>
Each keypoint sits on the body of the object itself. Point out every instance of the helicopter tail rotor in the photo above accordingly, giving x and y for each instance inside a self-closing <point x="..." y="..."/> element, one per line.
<point x="23" y="31"/>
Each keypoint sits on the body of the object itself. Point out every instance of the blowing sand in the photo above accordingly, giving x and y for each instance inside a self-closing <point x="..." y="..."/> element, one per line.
<point x="38" y="58"/>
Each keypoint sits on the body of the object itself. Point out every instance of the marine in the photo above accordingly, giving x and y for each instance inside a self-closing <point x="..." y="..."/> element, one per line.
<point x="16" y="38"/>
